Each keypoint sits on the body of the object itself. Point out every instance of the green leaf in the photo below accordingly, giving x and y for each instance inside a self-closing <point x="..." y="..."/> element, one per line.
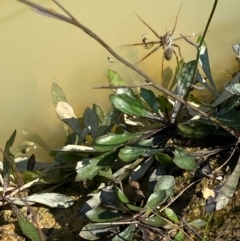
<point x="165" y="183"/>
<point x="134" y="208"/>
<point x="114" y="78"/>
<point x="180" y="236"/>
<point x="229" y="114"/>
<point x="126" y="235"/>
<point x="91" y="121"/>
<point x="27" y="228"/>
<point x="103" y="216"/>
<point x="110" y="141"/>
<point x="163" y="158"/>
<point x="156" y="199"/>
<point x="204" y="62"/>
<point x="154" y="221"/>
<point x="131" y="106"/>
<point x="94" y="231"/>
<point x="194" y="131"/>
<point x="99" y="112"/>
<point x="183" y="159"/>
<point x="149" y="97"/>
<point x="171" y="215"/>
<point x="87" y="168"/>
<point x="7" y="159"/>
<point x="129" y="153"/>
<point x="57" y="94"/>
<point x="122" y="196"/>
<point x="198" y="223"/>
<point x="108" y="122"/>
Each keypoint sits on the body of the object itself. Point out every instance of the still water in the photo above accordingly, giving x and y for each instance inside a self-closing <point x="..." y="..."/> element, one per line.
<point x="37" y="51"/>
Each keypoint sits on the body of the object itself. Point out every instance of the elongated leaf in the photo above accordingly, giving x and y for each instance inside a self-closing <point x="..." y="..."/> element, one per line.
<point x="99" y="112"/>
<point x="227" y="191"/>
<point x="151" y="100"/>
<point x="110" y="141"/>
<point x="88" y="205"/>
<point x="57" y="94"/>
<point x="198" y="223"/>
<point x="53" y="200"/>
<point x="114" y="78"/>
<point x="103" y="216"/>
<point x="128" y="153"/>
<point x="229" y="114"/>
<point x="91" y="120"/>
<point x="171" y="215"/>
<point x="154" y="221"/>
<point x="131" y="106"/>
<point x="183" y="159"/>
<point x="126" y="235"/>
<point x="27" y="228"/>
<point x="109" y="198"/>
<point x="66" y="114"/>
<point x="204" y="62"/>
<point x="74" y="148"/>
<point x="121" y="195"/>
<point x="94" y="231"/>
<point x="155" y="199"/>
<point x="7" y="158"/>
<point x="108" y="122"/>
<point x="163" y="158"/>
<point x="88" y="168"/>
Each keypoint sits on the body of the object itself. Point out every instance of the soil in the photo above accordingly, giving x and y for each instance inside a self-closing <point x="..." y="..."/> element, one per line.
<point x="62" y="224"/>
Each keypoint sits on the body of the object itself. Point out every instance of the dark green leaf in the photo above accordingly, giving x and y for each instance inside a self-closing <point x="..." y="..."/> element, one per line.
<point x="108" y="122"/>
<point x="103" y="216"/>
<point x="171" y="215"/>
<point x="154" y="221"/>
<point x="7" y="159"/>
<point x="99" y="112"/>
<point x="149" y="97"/>
<point x="129" y="153"/>
<point x="155" y="199"/>
<point x="126" y="235"/>
<point x="198" y="223"/>
<point x="183" y="159"/>
<point x="163" y="158"/>
<point x="91" y="121"/>
<point x="194" y="131"/>
<point x="131" y="106"/>
<point x="204" y="61"/>
<point x="110" y="141"/>
<point x="27" y="228"/>
<point x="87" y="168"/>
<point x="94" y="231"/>
<point x="123" y="198"/>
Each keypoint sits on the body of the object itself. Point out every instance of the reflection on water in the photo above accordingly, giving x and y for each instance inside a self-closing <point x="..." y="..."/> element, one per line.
<point x="37" y="51"/>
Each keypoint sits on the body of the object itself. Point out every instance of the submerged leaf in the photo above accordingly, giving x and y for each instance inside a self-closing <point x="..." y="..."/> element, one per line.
<point x="34" y="137"/>
<point x="99" y="112"/>
<point x="57" y="94"/>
